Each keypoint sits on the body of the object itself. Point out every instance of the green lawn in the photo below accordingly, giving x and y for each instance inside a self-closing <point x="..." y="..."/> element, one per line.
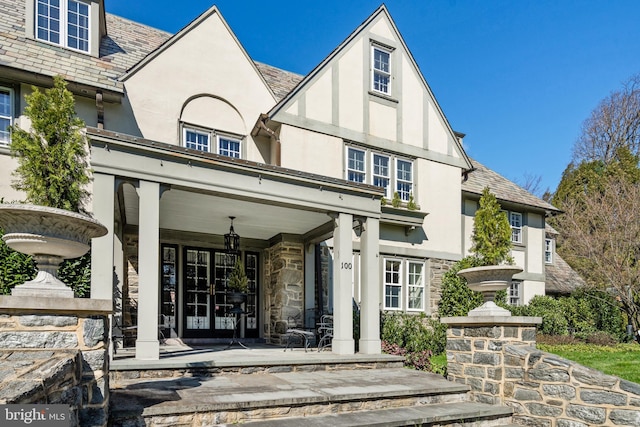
<point x="622" y="360"/>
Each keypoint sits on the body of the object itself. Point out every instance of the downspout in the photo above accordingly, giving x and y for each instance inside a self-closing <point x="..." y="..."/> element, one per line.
<point x="100" y="109"/>
<point x="274" y="137"/>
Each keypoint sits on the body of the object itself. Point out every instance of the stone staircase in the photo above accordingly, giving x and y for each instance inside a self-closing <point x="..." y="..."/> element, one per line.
<point x="279" y="394"/>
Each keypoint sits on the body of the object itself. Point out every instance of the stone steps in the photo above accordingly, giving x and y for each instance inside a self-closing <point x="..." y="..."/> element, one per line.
<point x="446" y="414"/>
<point x="387" y="396"/>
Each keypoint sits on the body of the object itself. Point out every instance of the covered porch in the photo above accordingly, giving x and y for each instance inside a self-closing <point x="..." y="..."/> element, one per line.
<point x="167" y="209"/>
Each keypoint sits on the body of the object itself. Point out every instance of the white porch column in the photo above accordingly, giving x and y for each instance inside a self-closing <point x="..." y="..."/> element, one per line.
<point x="370" y="288"/>
<point x="102" y="247"/>
<point x="342" y="300"/>
<point x="147" y="344"/>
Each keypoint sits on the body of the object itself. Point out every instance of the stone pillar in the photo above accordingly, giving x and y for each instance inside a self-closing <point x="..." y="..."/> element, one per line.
<point x="342" y="299"/>
<point x="147" y="344"/>
<point x="474" y="351"/>
<point x="370" y="302"/>
<point x="102" y="247"/>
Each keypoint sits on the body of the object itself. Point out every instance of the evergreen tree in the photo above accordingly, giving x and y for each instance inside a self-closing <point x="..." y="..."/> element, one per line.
<point x="52" y="167"/>
<point x="491" y="232"/>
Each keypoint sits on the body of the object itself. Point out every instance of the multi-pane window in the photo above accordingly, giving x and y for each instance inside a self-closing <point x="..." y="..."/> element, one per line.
<point x="415" y="286"/>
<point x="63" y="22"/>
<point x="404" y="281"/>
<point x="404" y="181"/>
<point x="196" y="140"/>
<point x="381" y="68"/>
<point x="6" y="115"/>
<point x="548" y="251"/>
<point x="356" y="167"/>
<point x="202" y="140"/>
<point x="392" y="284"/>
<point x="515" y="292"/>
<point x="382" y="170"/>
<point x="515" y="219"/>
<point x="228" y="147"/>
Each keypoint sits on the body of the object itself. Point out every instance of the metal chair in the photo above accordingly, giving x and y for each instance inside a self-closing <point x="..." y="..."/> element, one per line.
<point x="325" y="331"/>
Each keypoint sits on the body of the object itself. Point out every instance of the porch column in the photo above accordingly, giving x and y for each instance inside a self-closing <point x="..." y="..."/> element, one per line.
<point x="147" y="344"/>
<point x="342" y="270"/>
<point x="102" y="247"/>
<point x="370" y="288"/>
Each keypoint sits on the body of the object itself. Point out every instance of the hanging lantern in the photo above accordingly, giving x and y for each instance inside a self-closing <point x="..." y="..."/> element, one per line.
<point x="232" y="240"/>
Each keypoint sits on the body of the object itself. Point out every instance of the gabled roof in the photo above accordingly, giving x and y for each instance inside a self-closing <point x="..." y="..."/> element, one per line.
<point x="125" y="45"/>
<point x="382" y="10"/>
<point x="504" y="190"/>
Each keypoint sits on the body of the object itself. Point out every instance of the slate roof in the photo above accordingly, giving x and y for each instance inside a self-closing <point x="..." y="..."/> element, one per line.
<point x="560" y="278"/>
<point x="280" y="81"/>
<point x="126" y="43"/>
<point x="505" y="190"/>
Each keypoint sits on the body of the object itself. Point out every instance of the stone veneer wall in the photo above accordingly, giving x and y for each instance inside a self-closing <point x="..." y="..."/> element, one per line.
<point x="437" y="269"/>
<point x="502" y="366"/>
<point x="55" y="350"/>
<point x="284" y="289"/>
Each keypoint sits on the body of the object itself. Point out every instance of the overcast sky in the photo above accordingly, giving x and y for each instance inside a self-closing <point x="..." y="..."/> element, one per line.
<point x="517" y="77"/>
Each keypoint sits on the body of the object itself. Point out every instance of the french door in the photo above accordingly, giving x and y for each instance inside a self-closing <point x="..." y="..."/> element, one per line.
<point x="207" y="313"/>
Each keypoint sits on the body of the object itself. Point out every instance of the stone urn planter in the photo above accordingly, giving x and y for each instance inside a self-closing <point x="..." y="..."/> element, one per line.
<point x="488" y="280"/>
<point x="50" y="235"/>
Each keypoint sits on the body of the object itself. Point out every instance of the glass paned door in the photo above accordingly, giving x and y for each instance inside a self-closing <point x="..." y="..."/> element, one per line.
<point x="251" y="308"/>
<point x="197" y="292"/>
<point x="168" y="296"/>
<point x="224" y="319"/>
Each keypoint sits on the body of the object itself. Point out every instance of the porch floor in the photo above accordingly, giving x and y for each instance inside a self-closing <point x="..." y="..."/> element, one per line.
<point x="180" y="356"/>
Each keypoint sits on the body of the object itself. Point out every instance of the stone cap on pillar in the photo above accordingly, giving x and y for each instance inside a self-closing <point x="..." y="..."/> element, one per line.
<point x="491" y="320"/>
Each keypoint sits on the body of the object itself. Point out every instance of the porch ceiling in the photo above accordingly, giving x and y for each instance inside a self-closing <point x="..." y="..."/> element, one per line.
<point x="204" y="213"/>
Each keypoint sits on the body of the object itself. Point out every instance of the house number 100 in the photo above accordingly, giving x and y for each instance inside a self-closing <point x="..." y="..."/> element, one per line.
<point x="346" y="266"/>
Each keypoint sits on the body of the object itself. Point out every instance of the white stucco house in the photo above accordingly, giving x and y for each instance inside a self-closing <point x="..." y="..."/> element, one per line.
<point x="307" y="166"/>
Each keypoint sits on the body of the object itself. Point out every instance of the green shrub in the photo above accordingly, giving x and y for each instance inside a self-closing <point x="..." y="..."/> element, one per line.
<point x="554" y="321"/>
<point x="414" y="333"/>
<point x="457" y="298"/>
<point x="15" y="268"/>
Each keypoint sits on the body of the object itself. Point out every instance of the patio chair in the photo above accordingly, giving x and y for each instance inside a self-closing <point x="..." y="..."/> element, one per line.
<point x="325" y="331"/>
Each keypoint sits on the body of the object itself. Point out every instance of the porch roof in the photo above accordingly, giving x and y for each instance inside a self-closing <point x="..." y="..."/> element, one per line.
<point x="207" y="188"/>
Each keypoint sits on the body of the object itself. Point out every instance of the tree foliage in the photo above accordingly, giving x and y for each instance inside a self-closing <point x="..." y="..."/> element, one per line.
<point x="613" y="124"/>
<point x="15" y="268"/>
<point x="491" y="232"/>
<point x="52" y="167"/>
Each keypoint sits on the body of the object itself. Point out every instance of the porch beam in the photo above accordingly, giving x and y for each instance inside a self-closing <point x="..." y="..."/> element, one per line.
<point x="342" y="274"/>
<point x="370" y="302"/>
<point x="147" y="344"/>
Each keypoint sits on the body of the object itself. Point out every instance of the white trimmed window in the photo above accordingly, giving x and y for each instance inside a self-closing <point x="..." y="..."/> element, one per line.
<point x="415" y="286"/>
<point x="63" y="22"/>
<point x="548" y="251"/>
<point x="515" y="293"/>
<point x="356" y="166"/>
<point x="515" y="219"/>
<point x="381" y="172"/>
<point x="381" y="70"/>
<point x="380" y="169"/>
<point x="404" y="281"/>
<point x="6" y="115"/>
<point x="201" y="140"/>
<point x="392" y="284"/>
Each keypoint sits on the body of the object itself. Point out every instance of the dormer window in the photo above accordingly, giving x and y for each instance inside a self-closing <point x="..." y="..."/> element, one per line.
<point x="381" y="70"/>
<point x="63" y="22"/>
